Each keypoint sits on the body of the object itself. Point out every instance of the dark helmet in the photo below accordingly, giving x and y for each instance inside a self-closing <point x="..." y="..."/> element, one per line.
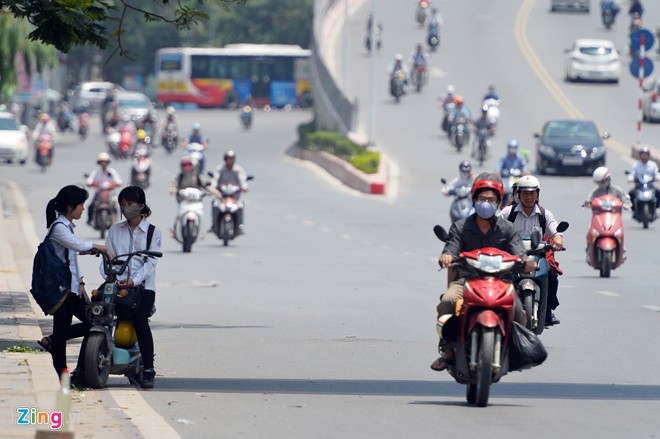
<point x="487" y="181"/>
<point x="465" y="167"/>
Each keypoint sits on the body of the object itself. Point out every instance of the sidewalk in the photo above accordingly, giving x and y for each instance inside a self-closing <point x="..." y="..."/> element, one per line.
<point x="28" y="379"/>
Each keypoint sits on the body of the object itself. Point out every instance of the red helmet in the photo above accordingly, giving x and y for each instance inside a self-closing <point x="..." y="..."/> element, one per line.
<point x="487" y="181"/>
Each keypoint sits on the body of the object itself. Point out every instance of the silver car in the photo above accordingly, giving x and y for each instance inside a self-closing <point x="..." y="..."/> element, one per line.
<point x="13" y="141"/>
<point x="593" y="60"/>
<point x="576" y="5"/>
<point x="651" y="100"/>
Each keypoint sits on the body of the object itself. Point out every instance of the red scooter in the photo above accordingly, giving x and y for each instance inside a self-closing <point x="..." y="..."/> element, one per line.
<point x="44" y="156"/>
<point x="481" y="330"/>
<point x="605" y="251"/>
<point x="83" y="123"/>
<point x="125" y="147"/>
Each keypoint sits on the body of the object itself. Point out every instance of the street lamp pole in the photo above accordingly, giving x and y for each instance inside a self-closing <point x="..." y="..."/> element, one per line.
<point x="372" y="74"/>
<point x="346" y="48"/>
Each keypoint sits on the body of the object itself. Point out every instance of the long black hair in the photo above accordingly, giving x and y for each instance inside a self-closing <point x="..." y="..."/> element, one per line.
<point x="68" y="197"/>
<point x="136" y="195"/>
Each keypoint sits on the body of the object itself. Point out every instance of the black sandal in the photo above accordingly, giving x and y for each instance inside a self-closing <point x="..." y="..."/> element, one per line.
<point x="46" y="344"/>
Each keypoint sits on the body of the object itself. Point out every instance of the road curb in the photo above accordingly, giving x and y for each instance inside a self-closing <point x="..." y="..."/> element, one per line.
<point x="373" y="184"/>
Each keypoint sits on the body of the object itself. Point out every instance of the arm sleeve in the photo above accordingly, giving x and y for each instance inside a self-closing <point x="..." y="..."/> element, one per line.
<point x="108" y="243"/>
<point x="116" y="177"/>
<point x="453" y="244"/>
<point x="504" y="213"/>
<point x="90" y="179"/>
<point x="550" y="224"/>
<point x="516" y="246"/>
<point x="149" y="266"/>
<point x="63" y="236"/>
<point x="242" y="178"/>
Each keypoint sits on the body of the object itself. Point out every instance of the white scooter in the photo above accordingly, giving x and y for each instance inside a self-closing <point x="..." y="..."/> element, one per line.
<point x="461" y="207"/>
<point x="493" y="106"/>
<point x="188" y="221"/>
<point x="196" y="153"/>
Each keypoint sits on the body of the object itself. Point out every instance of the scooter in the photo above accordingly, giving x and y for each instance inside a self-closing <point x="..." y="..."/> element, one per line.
<point x="377" y="37"/>
<point x="196" y="152"/>
<point x="83" y="124"/>
<point x="112" y="139"/>
<point x="493" y="110"/>
<point x="246" y="117"/>
<point x="532" y="287"/>
<point x="44" y="156"/>
<point x="419" y="77"/>
<point x="481" y="331"/>
<point x="461" y="206"/>
<point x="459" y="134"/>
<point x="509" y="177"/>
<point x="191" y="211"/>
<point x="605" y="250"/>
<point x="422" y="13"/>
<point x="105" y="207"/>
<point x="644" y="210"/>
<point x="446" y="122"/>
<point x="170" y="138"/>
<point x="607" y="16"/>
<point x="111" y="347"/>
<point x="125" y="146"/>
<point x="433" y="38"/>
<point x="141" y="168"/>
<point x="225" y="212"/>
<point x="397" y="85"/>
<point x="483" y="141"/>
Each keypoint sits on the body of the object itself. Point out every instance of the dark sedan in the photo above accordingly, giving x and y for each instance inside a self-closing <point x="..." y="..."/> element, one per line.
<point x="569" y="146"/>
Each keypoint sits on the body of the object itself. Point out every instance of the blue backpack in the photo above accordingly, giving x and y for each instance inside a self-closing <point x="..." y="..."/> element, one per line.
<point x="51" y="277"/>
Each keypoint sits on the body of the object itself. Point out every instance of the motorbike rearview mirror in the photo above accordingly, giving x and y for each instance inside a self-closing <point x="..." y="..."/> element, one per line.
<point x="537" y="135"/>
<point x="86" y="175"/>
<point x="210" y="174"/>
<point x="250" y="177"/>
<point x="536" y="239"/>
<point x="440" y="233"/>
<point x="443" y="180"/>
<point x="562" y="226"/>
<point x="606" y="135"/>
<point x="627" y="172"/>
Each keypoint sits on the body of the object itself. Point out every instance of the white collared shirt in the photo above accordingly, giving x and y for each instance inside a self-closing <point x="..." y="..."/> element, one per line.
<point x="525" y="225"/>
<point x="649" y="168"/>
<point x="121" y="241"/>
<point x="63" y="238"/>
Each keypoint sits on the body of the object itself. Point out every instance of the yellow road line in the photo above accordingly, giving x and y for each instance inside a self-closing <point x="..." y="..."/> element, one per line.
<point x="546" y="79"/>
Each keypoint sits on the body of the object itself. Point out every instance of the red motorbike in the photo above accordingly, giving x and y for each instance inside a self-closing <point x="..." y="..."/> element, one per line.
<point x="605" y="251"/>
<point x="83" y="123"/>
<point x="105" y="206"/>
<point x="419" y="77"/>
<point x="44" y="155"/>
<point x="481" y="330"/>
<point x="125" y="146"/>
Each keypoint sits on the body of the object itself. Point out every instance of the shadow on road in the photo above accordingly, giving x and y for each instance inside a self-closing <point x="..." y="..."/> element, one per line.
<point x="408" y="388"/>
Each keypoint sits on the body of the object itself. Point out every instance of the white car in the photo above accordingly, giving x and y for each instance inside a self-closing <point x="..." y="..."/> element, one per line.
<point x="651" y="100"/>
<point x="593" y="60"/>
<point x="92" y="93"/>
<point x="13" y="141"/>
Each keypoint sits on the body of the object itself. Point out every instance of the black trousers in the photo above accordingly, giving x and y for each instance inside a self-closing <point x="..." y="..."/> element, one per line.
<point x="553" y="286"/>
<point x="140" y="317"/>
<point x="63" y="330"/>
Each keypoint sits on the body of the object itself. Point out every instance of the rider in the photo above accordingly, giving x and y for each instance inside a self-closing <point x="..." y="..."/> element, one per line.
<point x="142" y="139"/>
<point x="491" y="94"/>
<point x="465" y="178"/>
<point x="395" y="68"/>
<point x="435" y="21"/>
<point x="44" y="126"/>
<point x="610" y="5"/>
<point x="643" y="167"/>
<point x="188" y="177"/>
<point x="231" y="173"/>
<point x="460" y="110"/>
<point x="512" y="160"/>
<point x="527" y="216"/>
<point x="636" y="8"/>
<point x="483" y="122"/>
<point x="101" y="173"/>
<point x="420" y="58"/>
<point x="603" y="179"/>
<point x="170" y="119"/>
<point x="479" y="230"/>
<point x="197" y="137"/>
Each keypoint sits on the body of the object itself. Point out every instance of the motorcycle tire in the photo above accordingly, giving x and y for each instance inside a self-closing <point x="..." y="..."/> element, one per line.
<point x="98" y="360"/>
<point x="228" y="232"/>
<point x="188" y="237"/>
<point x="482" y="154"/>
<point x="471" y="393"/>
<point x="528" y="306"/>
<point x="485" y="365"/>
<point x="102" y="222"/>
<point x="606" y="263"/>
<point x="646" y="215"/>
<point x="541" y="311"/>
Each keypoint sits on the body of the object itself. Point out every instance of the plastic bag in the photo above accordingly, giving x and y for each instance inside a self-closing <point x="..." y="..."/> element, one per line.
<point x="525" y="349"/>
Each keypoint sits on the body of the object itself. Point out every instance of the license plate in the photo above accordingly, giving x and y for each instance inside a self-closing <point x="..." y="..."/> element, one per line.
<point x="572" y="161"/>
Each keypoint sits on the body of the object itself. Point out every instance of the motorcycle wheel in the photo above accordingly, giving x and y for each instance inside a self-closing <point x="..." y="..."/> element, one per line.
<point x="606" y="263"/>
<point x="97" y="360"/>
<point x="459" y="143"/>
<point x="541" y="312"/>
<point x="485" y="366"/>
<point x="646" y="216"/>
<point x="102" y="221"/>
<point x="482" y="154"/>
<point x="187" y="237"/>
<point x="528" y="306"/>
<point x="227" y="232"/>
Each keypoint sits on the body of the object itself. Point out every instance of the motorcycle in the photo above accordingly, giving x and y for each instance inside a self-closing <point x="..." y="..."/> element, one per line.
<point x="105" y="206"/>
<point x="422" y="13"/>
<point x="461" y="206"/>
<point x="83" y="124"/>
<point x="111" y="346"/>
<point x="170" y="138"/>
<point x="459" y="134"/>
<point x="191" y="211"/>
<point x="196" y="152"/>
<point x="419" y="77"/>
<point x="493" y="106"/>
<point x="644" y="210"/>
<point x="141" y="168"/>
<point x="483" y="141"/>
<point x="397" y="85"/>
<point x="225" y="211"/>
<point x="377" y="38"/>
<point x="44" y="156"/>
<point x="532" y="288"/>
<point x="605" y="250"/>
<point x="509" y="177"/>
<point x="607" y="16"/>
<point x="246" y="117"/>
<point x="445" y="124"/>
<point x="64" y="119"/>
<point x="125" y="146"/>
<point x="433" y="38"/>
<point x="112" y="139"/>
<point x="480" y="333"/>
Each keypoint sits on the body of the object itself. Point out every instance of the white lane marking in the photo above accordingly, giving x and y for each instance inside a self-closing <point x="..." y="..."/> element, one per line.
<point x="308" y="222"/>
<point x="345" y="237"/>
<point x="607" y="293"/>
<point x="229" y="255"/>
<point x="326" y="229"/>
<point x="653" y="308"/>
<point x="150" y="423"/>
<point x="290" y="216"/>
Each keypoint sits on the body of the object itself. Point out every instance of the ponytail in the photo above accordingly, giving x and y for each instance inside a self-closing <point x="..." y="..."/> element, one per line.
<point x="51" y="212"/>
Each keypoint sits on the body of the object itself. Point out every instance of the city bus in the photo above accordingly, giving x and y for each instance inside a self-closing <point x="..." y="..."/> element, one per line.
<point x="274" y="75"/>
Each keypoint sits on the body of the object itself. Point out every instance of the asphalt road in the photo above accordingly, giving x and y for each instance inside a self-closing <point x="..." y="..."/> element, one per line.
<point x="320" y="322"/>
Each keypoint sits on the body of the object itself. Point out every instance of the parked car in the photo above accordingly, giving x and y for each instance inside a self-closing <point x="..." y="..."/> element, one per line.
<point x="569" y="146"/>
<point x="13" y="140"/>
<point x="593" y="60"/>
<point x="94" y="93"/>
<point x="575" y="5"/>
<point x="651" y="100"/>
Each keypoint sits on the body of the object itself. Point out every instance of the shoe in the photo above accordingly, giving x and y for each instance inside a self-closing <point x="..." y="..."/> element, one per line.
<point x="147" y="380"/>
<point x="446" y="359"/>
<point x="551" y="320"/>
<point x="46" y="344"/>
<point x="78" y="380"/>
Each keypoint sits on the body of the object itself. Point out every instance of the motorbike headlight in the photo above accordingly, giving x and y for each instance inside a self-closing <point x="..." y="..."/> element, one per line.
<point x="547" y="150"/>
<point x="97" y="310"/>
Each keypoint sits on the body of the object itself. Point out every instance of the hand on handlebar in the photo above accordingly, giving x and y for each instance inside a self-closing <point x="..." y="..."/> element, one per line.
<point x="446" y="260"/>
<point x="530" y="266"/>
<point x="128" y="283"/>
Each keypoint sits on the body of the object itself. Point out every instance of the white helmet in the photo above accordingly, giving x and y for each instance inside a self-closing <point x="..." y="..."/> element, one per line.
<point x="601" y="174"/>
<point x="103" y="157"/>
<point x="528" y="183"/>
<point x="171" y="110"/>
<point x="398" y="57"/>
<point x="450" y="89"/>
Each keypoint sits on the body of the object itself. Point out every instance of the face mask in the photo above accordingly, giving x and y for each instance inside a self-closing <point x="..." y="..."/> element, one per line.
<point x="485" y="210"/>
<point x="131" y="211"/>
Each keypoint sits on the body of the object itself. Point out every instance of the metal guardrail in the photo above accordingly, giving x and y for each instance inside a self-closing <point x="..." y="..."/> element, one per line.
<point x="332" y="108"/>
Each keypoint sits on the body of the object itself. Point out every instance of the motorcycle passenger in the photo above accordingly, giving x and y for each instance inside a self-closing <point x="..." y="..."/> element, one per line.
<point x="188" y="177"/>
<point x="603" y="179"/>
<point x="481" y="229"/>
<point x="465" y="178"/>
<point x="483" y="122"/>
<point x="44" y="126"/>
<point x="398" y="67"/>
<point x="230" y="173"/>
<point x="126" y="237"/>
<point x="101" y="173"/>
<point x="526" y="217"/>
<point x="449" y="97"/>
<point x="512" y="159"/>
<point x="636" y="9"/>
<point x="197" y="137"/>
<point x="491" y="94"/>
<point x="609" y="5"/>
<point x="643" y="167"/>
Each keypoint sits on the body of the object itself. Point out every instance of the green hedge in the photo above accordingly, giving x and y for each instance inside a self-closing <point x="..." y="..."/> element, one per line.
<point x="305" y="129"/>
<point x="367" y="162"/>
